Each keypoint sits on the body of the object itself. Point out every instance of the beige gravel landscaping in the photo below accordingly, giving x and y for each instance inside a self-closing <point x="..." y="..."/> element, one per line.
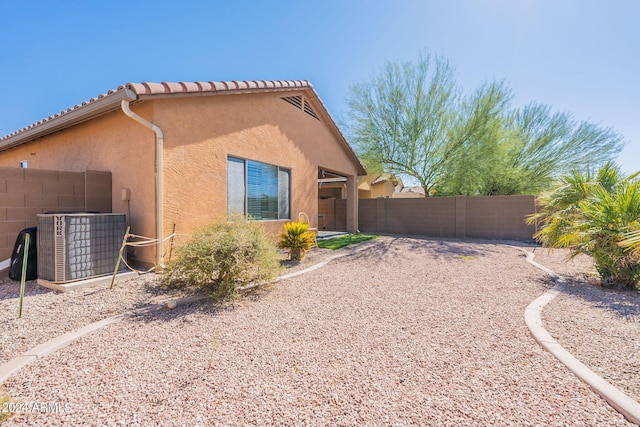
<point x="601" y="327"/>
<point x="47" y="314"/>
<point x="404" y="332"/>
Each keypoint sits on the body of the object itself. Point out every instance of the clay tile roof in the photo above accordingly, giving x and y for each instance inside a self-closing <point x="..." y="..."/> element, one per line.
<point x="168" y="88"/>
<point x="111" y="101"/>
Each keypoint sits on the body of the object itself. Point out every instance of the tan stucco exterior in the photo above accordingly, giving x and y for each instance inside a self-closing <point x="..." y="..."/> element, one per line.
<point x="111" y="143"/>
<point x="373" y="186"/>
<point x="199" y="133"/>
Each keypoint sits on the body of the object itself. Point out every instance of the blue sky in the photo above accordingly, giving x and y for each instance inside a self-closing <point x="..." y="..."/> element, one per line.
<point x="580" y="56"/>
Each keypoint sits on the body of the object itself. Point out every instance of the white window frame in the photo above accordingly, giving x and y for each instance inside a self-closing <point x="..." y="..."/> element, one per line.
<point x="245" y="184"/>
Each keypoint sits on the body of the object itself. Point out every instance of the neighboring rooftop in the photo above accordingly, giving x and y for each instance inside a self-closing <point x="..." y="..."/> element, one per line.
<point x="413" y="189"/>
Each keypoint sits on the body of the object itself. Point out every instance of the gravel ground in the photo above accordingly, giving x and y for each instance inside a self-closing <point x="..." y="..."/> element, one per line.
<point x="407" y="332"/>
<point x="47" y="314"/>
<point x="601" y="327"/>
<point x="42" y="308"/>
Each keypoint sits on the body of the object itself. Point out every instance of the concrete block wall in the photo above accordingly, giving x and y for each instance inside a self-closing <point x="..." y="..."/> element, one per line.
<point x="25" y="193"/>
<point x="489" y="217"/>
<point x="332" y="214"/>
<point x="500" y="217"/>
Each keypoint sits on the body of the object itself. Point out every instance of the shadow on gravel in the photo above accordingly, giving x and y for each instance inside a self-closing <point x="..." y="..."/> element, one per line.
<point x="399" y="246"/>
<point x="545" y="281"/>
<point x="205" y="306"/>
<point x="151" y="289"/>
<point x="203" y="303"/>
<point x="623" y="303"/>
<point x="11" y="289"/>
<point x="431" y="247"/>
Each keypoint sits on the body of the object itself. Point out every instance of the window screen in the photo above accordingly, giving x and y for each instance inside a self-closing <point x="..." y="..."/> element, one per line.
<point x="235" y="186"/>
<point x="260" y="190"/>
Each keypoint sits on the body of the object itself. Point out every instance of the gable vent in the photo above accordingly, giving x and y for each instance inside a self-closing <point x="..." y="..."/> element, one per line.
<point x="301" y="103"/>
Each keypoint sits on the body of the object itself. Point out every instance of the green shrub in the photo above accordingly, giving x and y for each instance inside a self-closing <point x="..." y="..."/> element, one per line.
<point x="223" y="257"/>
<point x="5" y="399"/>
<point x="617" y="267"/>
<point x="297" y="239"/>
<point x="596" y="215"/>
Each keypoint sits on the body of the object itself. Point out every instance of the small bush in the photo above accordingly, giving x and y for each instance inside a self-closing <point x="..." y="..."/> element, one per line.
<point x="223" y="257"/>
<point x="5" y="399"/>
<point x="297" y="239"/>
<point x="618" y="268"/>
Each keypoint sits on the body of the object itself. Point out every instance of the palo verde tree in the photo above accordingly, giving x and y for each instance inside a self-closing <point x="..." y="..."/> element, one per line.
<point x="527" y="150"/>
<point x="414" y="120"/>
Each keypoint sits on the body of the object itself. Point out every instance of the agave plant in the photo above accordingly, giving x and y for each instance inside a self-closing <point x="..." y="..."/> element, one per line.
<point x="594" y="215"/>
<point x="297" y="238"/>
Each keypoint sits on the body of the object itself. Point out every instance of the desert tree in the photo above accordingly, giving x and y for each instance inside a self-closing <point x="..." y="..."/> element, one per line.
<point x="414" y="120"/>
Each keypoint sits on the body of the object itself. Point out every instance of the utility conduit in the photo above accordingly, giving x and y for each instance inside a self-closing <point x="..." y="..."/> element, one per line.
<point x="159" y="177"/>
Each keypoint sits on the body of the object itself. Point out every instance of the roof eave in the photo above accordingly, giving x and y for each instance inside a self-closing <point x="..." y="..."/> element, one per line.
<point x="146" y="91"/>
<point x="332" y="123"/>
<point x="89" y="111"/>
<point x="156" y="96"/>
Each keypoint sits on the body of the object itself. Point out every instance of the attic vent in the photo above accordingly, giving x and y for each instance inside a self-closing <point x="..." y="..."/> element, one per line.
<point x="301" y="103"/>
<point x="309" y="110"/>
<point x="296" y="101"/>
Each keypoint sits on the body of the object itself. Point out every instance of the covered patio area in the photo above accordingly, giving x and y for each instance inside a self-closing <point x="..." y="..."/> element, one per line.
<point x="337" y="196"/>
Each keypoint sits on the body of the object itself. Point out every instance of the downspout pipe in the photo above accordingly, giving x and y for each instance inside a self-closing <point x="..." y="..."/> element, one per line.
<point x="159" y="177"/>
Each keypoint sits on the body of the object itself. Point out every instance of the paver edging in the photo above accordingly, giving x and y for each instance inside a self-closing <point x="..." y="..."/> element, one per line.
<point x="532" y="316"/>
<point x="615" y="397"/>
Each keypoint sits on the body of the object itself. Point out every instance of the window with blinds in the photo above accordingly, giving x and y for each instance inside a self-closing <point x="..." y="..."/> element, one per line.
<point x="258" y="190"/>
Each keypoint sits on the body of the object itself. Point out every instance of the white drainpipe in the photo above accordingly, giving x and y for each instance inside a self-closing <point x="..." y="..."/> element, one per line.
<point x="159" y="166"/>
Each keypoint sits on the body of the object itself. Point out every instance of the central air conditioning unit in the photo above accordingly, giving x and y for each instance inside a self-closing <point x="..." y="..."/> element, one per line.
<point x="79" y="246"/>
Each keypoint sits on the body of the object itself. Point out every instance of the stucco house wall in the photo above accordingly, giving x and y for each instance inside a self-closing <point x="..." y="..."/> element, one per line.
<point x="383" y="189"/>
<point x="200" y="132"/>
<point x="112" y="142"/>
<point x="262" y="127"/>
<point x="373" y="186"/>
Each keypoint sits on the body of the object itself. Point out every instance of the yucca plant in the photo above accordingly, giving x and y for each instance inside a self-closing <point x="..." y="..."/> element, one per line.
<point x="297" y="239"/>
<point x="594" y="215"/>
